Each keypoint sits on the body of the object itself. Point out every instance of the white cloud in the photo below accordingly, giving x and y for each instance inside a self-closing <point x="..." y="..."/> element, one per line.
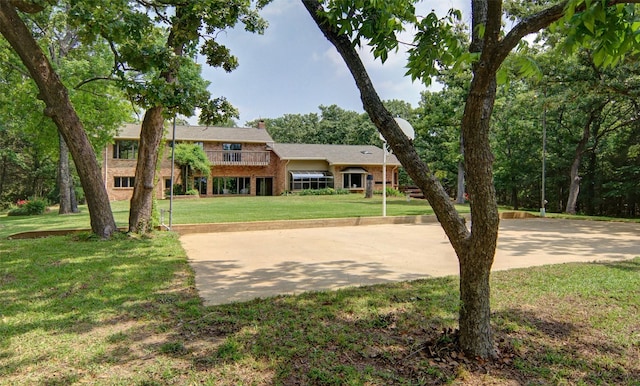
<point x="278" y="7"/>
<point x="293" y="69"/>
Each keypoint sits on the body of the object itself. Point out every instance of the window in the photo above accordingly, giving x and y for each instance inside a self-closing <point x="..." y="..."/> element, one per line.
<point x="232" y="152"/>
<point x="352" y="181"/>
<point x="125" y="150"/>
<point x="301" y="180"/>
<point x="123" y="182"/>
<point x="353" y="178"/>
<point x="200" y="184"/>
<point x="231" y="185"/>
<point x="231" y="146"/>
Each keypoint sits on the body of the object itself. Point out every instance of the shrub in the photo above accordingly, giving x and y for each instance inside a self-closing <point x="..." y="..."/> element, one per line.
<point x="35" y="206"/>
<point x="322" y="192"/>
<point x="391" y="192"/>
<point x="192" y="192"/>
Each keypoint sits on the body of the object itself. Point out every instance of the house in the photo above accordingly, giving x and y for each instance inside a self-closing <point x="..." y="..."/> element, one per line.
<point x="246" y="161"/>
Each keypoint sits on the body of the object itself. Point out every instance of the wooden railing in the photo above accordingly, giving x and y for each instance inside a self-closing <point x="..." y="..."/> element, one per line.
<point x="239" y="158"/>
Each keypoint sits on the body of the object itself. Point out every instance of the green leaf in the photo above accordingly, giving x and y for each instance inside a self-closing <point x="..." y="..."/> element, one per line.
<point x="502" y="76"/>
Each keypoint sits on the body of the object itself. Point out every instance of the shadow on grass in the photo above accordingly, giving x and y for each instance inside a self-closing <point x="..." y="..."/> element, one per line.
<point x="627" y="265"/>
<point x="62" y="299"/>
<point x="549" y="349"/>
<point x="377" y="334"/>
<point x="126" y="311"/>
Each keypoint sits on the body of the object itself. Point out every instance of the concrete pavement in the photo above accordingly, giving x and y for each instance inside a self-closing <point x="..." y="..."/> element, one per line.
<point x="239" y="266"/>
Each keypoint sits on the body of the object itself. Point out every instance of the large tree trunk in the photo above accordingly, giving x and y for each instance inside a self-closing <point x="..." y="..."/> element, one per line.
<point x="475" y="250"/>
<point x="140" y="212"/>
<point x="574" y="176"/>
<point x="141" y="208"/>
<point x="61" y="111"/>
<point x="460" y="196"/>
<point x="68" y="201"/>
<point x="476" y="258"/>
<point x="63" y="177"/>
<point x="3" y="174"/>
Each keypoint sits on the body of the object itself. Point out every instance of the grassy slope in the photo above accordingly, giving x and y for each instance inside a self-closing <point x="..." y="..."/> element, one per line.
<point x="226" y="209"/>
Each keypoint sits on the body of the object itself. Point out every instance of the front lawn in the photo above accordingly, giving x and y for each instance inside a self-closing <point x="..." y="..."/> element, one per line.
<point x="125" y="312"/>
<point x="228" y="209"/>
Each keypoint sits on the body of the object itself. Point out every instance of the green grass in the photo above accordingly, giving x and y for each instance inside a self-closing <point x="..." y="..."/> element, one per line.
<point x="74" y="310"/>
<point x="229" y="209"/>
<point x="125" y="312"/>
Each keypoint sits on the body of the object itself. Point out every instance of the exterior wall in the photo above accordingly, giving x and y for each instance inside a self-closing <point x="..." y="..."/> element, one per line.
<point x="117" y="168"/>
<point x="126" y="168"/>
<point x="252" y="172"/>
<point x="277" y="169"/>
<point x="392" y="176"/>
<point x="375" y="170"/>
<point x="302" y="165"/>
<point x="310" y="165"/>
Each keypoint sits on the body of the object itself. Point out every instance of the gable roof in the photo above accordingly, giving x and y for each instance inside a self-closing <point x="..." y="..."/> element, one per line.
<point x="334" y="154"/>
<point x="203" y="133"/>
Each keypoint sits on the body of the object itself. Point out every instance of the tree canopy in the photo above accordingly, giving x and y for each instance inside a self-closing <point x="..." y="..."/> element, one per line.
<point x="608" y="27"/>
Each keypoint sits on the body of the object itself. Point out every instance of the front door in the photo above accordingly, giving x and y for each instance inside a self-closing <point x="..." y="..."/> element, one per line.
<point x="264" y="186"/>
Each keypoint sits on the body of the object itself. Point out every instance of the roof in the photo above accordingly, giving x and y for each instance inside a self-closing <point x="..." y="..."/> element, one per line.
<point x="204" y="133"/>
<point x="334" y="154"/>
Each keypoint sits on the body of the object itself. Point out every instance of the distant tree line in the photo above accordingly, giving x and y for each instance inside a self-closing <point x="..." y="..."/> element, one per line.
<point x="592" y="134"/>
<point x="590" y="116"/>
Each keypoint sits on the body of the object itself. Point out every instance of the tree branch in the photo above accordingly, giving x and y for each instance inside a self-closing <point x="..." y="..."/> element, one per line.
<point x="26" y="7"/>
<point x="77" y="87"/>
<point x="452" y="223"/>
<point x="539" y="21"/>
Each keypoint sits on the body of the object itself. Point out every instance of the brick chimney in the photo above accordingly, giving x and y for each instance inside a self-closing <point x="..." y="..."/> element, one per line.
<point x="261" y="124"/>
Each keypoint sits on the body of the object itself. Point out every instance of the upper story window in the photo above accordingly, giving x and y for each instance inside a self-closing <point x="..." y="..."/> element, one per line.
<point x="231" y="146"/>
<point x="125" y="149"/>
<point x="232" y="152"/>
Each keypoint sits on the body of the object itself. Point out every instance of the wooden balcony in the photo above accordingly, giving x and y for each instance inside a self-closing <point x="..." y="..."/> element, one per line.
<point x="239" y="158"/>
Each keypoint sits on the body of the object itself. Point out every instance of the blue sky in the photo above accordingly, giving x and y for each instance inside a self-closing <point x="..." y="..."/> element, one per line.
<point x="293" y="69"/>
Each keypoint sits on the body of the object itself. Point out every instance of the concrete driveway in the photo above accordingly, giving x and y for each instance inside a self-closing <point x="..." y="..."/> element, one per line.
<point x="239" y="266"/>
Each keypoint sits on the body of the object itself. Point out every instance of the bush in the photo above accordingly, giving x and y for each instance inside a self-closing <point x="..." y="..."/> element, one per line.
<point x="35" y="206"/>
<point x="192" y="192"/>
<point x="322" y="192"/>
<point x="391" y="192"/>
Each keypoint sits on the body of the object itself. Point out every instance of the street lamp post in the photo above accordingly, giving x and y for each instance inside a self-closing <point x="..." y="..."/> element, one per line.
<point x="384" y="178"/>
<point x="543" y="201"/>
<point x="408" y="130"/>
<point x="173" y="161"/>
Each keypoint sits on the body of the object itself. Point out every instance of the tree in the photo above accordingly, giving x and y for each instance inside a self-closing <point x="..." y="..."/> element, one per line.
<point x="191" y="157"/>
<point x="516" y="138"/>
<point x="586" y="105"/>
<point x="59" y="108"/>
<point x="99" y="103"/>
<point x="437" y="44"/>
<point x="334" y="125"/>
<point x="156" y="45"/>
<point x="438" y="140"/>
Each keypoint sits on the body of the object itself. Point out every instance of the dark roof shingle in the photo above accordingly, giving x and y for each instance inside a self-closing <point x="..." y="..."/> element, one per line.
<point x="334" y="154"/>
<point x="204" y="133"/>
